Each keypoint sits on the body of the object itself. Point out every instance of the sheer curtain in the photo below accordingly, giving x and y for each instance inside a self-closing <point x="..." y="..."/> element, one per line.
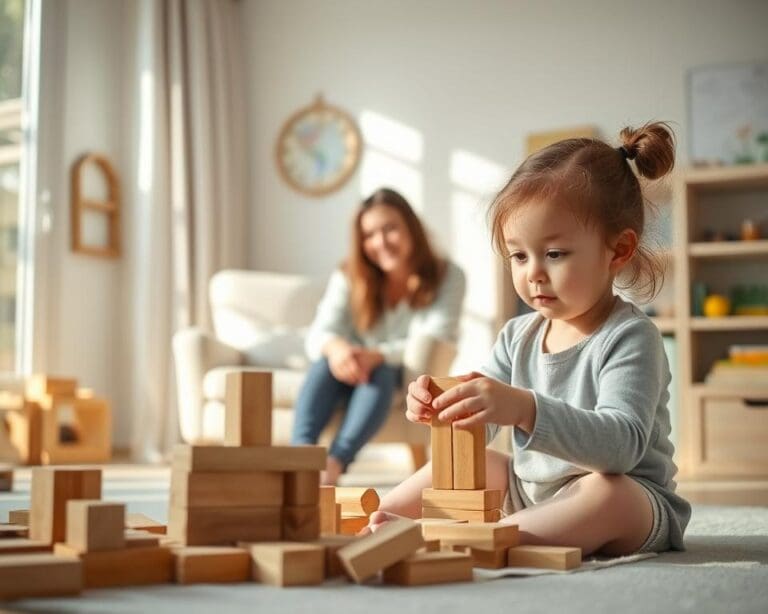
<point x="187" y="218"/>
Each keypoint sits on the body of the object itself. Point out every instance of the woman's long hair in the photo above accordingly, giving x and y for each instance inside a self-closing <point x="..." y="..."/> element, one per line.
<point x="368" y="282"/>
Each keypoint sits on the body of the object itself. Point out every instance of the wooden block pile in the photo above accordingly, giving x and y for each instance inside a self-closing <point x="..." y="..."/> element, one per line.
<point x="55" y="422"/>
<point x="356" y="506"/>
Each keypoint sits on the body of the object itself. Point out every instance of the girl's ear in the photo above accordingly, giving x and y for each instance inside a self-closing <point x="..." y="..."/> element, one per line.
<point x="623" y="247"/>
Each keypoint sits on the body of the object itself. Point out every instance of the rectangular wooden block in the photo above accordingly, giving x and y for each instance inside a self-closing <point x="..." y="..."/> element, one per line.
<point x="544" y="557"/>
<point x="211" y="564"/>
<point x="288" y="563"/>
<point x="352" y="525"/>
<point x="18" y="517"/>
<point x="25" y="432"/>
<point x="327" y="501"/>
<point x="135" y="538"/>
<point x="124" y="567"/>
<point x="469" y="457"/>
<point x="332" y="545"/>
<point x="41" y="385"/>
<point x="39" y="575"/>
<point x="301" y="523"/>
<point x="462" y="499"/>
<point x="91" y="418"/>
<point x="302" y="487"/>
<point x="95" y="525"/>
<point x="52" y="487"/>
<point x="235" y="489"/>
<point x="431" y="545"/>
<point x="203" y="526"/>
<point x="487" y="536"/>
<point x="468" y="515"/>
<point x="13" y="530"/>
<point x="430" y="568"/>
<point x="22" y="545"/>
<point x="442" y="439"/>
<point x="144" y="523"/>
<point x="365" y="557"/>
<point x="486" y="559"/>
<point x="254" y="458"/>
<point x="248" y="413"/>
<point x="357" y="501"/>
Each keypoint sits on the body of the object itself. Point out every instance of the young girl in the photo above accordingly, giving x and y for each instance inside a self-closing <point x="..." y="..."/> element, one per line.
<point x="583" y="379"/>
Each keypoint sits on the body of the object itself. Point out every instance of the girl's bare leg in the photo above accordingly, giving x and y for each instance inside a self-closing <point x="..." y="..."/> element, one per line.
<point x="597" y="512"/>
<point x="405" y="498"/>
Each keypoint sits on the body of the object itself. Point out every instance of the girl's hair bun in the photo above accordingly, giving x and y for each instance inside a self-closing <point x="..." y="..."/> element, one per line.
<point x="652" y="147"/>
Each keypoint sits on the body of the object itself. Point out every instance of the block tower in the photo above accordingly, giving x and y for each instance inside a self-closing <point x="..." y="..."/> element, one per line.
<point x="458" y="470"/>
<point x="246" y="490"/>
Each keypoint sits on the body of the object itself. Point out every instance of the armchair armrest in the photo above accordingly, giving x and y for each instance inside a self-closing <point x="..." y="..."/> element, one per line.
<point x="426" y="354"/>
<point x="194" y="354"/>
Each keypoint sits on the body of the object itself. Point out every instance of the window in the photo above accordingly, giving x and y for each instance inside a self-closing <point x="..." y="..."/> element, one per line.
<point x="11" y="70"/>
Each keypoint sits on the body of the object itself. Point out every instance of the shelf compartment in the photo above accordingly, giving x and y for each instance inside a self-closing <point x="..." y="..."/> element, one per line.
<point x="729" y="323"/>
<point x="723" y="249"/>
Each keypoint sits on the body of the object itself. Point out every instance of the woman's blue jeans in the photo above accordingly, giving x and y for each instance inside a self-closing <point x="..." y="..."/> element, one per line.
<point x="367" y="406"/>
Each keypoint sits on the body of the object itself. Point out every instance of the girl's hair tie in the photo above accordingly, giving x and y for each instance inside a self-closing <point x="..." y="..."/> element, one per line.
<point x="625" y="152"/>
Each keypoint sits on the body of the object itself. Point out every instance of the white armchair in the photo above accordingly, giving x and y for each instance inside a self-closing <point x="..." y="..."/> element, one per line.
<point x="260" y="319"/>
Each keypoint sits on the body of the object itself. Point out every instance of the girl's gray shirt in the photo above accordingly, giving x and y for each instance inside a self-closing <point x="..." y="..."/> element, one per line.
<point x="601" y="406"/>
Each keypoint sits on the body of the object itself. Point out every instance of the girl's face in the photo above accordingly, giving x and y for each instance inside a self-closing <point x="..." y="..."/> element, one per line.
<point x="560" y="268"/>
<point x="387" y="243"/>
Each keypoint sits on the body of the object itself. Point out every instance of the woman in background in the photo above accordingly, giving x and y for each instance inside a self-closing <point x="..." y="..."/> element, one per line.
<point x="391" y="287"/>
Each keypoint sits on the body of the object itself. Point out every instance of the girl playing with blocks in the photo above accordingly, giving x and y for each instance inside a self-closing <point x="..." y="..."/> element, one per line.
<point x="583" y="379"/>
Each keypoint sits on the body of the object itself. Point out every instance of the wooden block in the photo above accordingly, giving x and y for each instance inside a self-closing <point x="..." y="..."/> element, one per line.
<point x="332" y="544"/>
<point x="430" y="568"/>
<point x="235" y="489"/>
<point x="248" y="413"/>
<point x="255" y="458"/>
<point x="6" y="478"/>
<point x="22" y="545"/>
<point x="469" y="457"/>
<point x="486" y="559"/>
<point x="338" y="518"/>
<point x="302" y="487"/>
<point x="288" y="563"/>
<point x="365" y="557"/>
<point x="462" y="499"/>
<point x="210" y="564"/>
<point x="39" y="575"/>
<point x="468" y="515"/>
<point x="19" y="517"/>
<point x="204" y="526"/>
<point x="135" y="538"/>
<point x="442" y="438"/>
<point x="25" y="432"/>
<point x="357" y="501"/>
<point x="144" y="523"/>
<point x="433" y="521"/>
<point x="327" y="501"/>
<point x="544" y="557"/>
<point x="52" y="487"/>
<point x="95" y="525"/>
<point x="13" y="530"/>
<point x="92" y="420"/>
<point x="301" y="523"/>
<point x="431" y="545"/>
<point x="487" y="536"/>
<point x="352" y="525"/>
<point x="124" y="567"/>
<point x="40" y="385"/>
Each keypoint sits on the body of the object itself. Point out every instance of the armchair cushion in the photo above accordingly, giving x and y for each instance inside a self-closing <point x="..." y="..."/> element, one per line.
<point x="286" y="384"/>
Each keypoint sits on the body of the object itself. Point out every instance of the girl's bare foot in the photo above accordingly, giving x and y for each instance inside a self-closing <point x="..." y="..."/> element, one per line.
<point x="377" y="520"/>
<point x="333" y="469"/>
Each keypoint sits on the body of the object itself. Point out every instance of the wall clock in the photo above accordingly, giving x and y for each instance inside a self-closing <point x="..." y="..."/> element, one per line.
<point x="318" y="148"/>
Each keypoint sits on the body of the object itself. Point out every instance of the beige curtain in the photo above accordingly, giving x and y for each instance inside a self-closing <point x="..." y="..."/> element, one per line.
<point x="187" y="219"/>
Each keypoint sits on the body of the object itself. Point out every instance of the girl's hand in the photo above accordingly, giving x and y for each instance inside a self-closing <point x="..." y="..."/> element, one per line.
<point x="418" y="400"/>
<point x="479" y="399"/>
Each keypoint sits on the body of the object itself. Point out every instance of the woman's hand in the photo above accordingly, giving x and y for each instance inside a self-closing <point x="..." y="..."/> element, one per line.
<point x="342" y="360"/>
<point x="479" y="399"/>
<point x="367" y="360"/>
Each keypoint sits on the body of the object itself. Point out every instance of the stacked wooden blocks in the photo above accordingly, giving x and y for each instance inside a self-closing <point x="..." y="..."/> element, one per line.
<point x="56" y="422"/>
<point x="356" y="506"/>
<point x="458" y="470"/>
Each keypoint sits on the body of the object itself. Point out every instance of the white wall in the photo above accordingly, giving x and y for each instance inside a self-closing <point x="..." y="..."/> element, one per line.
<point x="466" y="81"/>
